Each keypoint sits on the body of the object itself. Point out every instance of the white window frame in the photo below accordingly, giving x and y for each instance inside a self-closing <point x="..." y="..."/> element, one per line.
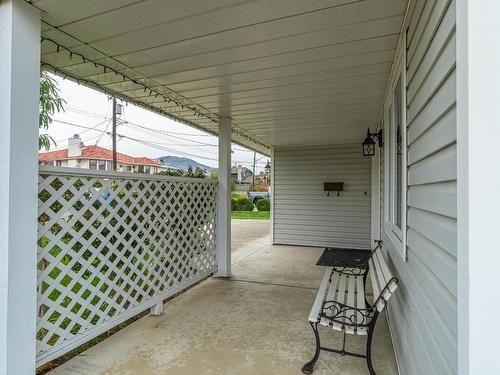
<point x="101" y="165"/>
<point x="396" y="235"/>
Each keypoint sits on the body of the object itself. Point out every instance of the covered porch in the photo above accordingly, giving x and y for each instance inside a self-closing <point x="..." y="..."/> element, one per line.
<point x="252" y="323"/>
<point x="300" y="81"/>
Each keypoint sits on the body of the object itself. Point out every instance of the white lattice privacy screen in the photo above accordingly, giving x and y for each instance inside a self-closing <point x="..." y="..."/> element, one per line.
<point x="111" y="245"/>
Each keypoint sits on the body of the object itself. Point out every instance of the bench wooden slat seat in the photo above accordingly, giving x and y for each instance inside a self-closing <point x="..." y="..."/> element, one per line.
<point x="343" y="288"/>
<point x="341" y="303"/>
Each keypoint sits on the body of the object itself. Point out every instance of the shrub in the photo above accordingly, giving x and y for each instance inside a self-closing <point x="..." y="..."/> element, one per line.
<point x="263" y="205"/>
<point x="234" y="204"/>
<point x="246" y="204"/>
<point x="241" y="204"/>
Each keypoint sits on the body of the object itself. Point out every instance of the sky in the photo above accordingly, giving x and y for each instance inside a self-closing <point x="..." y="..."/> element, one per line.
<point x="154" y="135"/>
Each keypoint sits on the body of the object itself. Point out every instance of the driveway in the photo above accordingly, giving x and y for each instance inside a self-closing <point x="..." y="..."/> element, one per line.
<point x="248" y="236"/>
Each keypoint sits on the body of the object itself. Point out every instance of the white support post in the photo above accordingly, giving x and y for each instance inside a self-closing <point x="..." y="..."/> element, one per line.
<point x="478" y="184"/>
<point x="19" y="92"/>
<point x="271" y="186"/>
<point x="224" y="200"/>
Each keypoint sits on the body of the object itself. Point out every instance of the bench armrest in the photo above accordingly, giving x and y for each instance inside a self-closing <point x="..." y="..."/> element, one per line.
<point x="379" y="245"/>
<point x="351" y="271"/>
<point x="340" y="313"/>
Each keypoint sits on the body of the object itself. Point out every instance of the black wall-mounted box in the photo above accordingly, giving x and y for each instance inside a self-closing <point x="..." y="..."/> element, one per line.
<point x="333" y="186"/>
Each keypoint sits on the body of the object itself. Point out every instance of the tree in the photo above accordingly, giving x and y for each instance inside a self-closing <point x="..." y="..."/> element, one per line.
<point x="197" y="173"/>
<point x="214" y="174"/>
<point x="50" y="102"/>
<point x="171" y="172"/>
<point x="189" y="172"/>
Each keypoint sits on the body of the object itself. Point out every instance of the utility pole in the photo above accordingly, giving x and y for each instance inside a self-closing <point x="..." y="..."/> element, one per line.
<point x="253" y="172"/>
<point x="114" y="134"/>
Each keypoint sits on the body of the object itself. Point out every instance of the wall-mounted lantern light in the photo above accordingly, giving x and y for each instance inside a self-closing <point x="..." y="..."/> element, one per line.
<point x="267" y="168"/>
<point x="369" y="142"/>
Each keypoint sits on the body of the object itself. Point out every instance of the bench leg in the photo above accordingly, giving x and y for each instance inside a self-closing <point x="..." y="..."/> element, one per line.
<point x="308" y="368"/>
<point x="369" y="345"/>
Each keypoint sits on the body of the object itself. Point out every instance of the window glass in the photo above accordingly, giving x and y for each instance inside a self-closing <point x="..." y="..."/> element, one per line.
<point x="398" y="152"/>
<point x="109" y="165"/>
<point x="102" y="165"/>
<point x="92" y="164"/>
<point x="147" y="169"/>
<point x="391" y="163"/>
<point x="395" y="165"/>
<point x="395" y="142"/>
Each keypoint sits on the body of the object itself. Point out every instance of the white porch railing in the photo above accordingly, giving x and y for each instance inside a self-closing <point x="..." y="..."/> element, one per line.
<point x="111" y="245"/>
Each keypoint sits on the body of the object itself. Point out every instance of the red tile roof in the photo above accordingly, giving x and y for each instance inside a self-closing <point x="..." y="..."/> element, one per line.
<point x="96" y="152"/>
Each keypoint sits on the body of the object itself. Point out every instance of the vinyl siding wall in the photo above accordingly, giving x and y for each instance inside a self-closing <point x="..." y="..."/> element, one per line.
<point x="423" y="312"/>
<point x="304" y="214"/>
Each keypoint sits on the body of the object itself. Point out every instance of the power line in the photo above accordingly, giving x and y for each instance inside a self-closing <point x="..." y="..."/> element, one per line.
<point x="94" y="114"/>
<point x="147" y="143"/>
<point x="241" y="149"/>
<point x="85" y="112"/>
<point x="158" y="131"/>
<point x="94" y="128"/>
<point x="106" y="128"/>
<point x="157" y="145"/>
<point x="166" y="132"/>
<point x="170" y="150"/>
<point x="155" y="133"/>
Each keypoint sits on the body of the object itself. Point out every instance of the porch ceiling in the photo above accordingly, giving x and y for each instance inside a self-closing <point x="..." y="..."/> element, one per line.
<point x="286" y="72"/>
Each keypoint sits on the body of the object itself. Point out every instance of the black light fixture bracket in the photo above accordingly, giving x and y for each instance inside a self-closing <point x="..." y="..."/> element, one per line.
<point x="379" y="136"/>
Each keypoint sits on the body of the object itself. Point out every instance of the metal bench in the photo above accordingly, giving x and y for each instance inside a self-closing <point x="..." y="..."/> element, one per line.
<point x="341" y="304"/>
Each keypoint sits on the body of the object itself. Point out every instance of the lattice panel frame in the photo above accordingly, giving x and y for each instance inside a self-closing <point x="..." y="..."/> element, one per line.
<point x="111" y="245"/>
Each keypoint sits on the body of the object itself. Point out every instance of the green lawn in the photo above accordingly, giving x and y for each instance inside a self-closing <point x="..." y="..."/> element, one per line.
<point x="259" y="215"/>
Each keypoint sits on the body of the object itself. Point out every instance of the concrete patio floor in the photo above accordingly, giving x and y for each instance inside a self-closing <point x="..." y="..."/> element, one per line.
<point x="248" y="236"/>
<point x="254" y="323"/>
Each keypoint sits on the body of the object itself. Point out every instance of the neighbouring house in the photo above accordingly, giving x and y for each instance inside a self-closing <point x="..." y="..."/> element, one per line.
<point x="262" y="179"/>
<point x="244" y="175"/>
<point x="244" y="179"/>
<point x="77" y="155"/>
<point x="241" y="175"/>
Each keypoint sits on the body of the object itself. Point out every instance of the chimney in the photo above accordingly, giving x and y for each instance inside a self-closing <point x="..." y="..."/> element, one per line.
<point x="74" y="146"/>
<point x="240" y="177"/>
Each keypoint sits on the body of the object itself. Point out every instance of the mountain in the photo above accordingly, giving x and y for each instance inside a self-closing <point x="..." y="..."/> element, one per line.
<point x="177" y="162"/>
